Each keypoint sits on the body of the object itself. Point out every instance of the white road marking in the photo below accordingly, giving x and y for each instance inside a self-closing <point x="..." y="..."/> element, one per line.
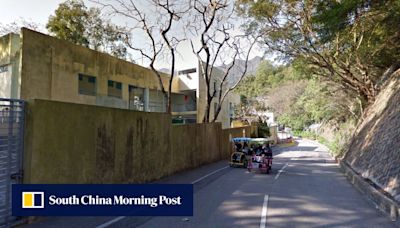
<point x="193" y="182"/>
<point x="280" y="171"/>
<point x="203" y="177"/>
<point x="111" y="222"/>
<point x="264" y="212"/>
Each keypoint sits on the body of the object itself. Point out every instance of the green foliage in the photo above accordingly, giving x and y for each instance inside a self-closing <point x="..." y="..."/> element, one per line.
<point x="246" y="105"/>
<point x="70" y="22"/>
<point x="338" y="144"/>
<point x="335" y="16"/>
<point x="374" y="22"/>
<point x="311" y="107"/>
<point x="335" y="148"/>
<point x="344" y="47"/>
<point x="267" y="77"/>
<point x="348" y="42"/>
<point x="315" y="102"/>
<point x="74" y="22"/>
<point x="297" y="118"/>
<point x="248" y="87"/>
<point x="263" y="130"/>
<point x="341" y="141"/>
<point x="305" y="134"/>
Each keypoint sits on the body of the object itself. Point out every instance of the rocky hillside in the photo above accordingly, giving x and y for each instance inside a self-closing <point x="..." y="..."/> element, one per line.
<point x="374" y="151"/>
<point x="239" y="66"/>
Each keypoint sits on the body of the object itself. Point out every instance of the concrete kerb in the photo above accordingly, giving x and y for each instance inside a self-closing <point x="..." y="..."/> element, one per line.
<point x="382" y="201"/>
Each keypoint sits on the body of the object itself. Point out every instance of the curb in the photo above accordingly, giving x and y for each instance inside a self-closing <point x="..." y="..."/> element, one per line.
<point x="384" y="202"/>
<point x="283" y="145"/>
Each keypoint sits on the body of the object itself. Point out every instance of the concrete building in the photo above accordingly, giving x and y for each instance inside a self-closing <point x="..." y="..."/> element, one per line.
<point x="35" y="65"/>
<point x="191" y="82"/>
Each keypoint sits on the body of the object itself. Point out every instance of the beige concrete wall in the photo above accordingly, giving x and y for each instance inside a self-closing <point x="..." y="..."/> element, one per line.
<point x="227" y="134"/>
<point x="50" y="69"/>
<point x="189" y="81"/>
<point x="193" y="145"/>
<point x="273" y="130"/>
<point x="76" y="143"/>
<point x="224" y="115"/>
<point x="73" y="143"/>
<point x="10" y="80"/>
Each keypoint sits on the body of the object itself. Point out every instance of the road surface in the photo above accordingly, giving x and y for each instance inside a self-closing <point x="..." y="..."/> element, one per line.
<point x="305" y="189"/>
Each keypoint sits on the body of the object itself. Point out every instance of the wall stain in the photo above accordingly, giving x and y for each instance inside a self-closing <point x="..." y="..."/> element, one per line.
<point x="128" y="168"/>
<point x="105" y="153"/>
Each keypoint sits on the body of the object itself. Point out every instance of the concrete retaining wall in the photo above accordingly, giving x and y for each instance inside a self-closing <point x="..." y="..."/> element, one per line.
<point x="384" y="201"/>
<point x="373" y="151"/>
<point x="75" y="143"/>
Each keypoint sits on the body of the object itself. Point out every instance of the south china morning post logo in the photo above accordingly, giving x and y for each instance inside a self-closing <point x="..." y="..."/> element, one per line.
<point x="102" y="200"/>
<point x="36" y="200"/>
<point x="33" y="200"/>
<point x="116" y="200"/>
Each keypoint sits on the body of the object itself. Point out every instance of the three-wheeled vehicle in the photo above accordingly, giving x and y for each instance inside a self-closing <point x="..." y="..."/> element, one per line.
<point x="250" y="154"/>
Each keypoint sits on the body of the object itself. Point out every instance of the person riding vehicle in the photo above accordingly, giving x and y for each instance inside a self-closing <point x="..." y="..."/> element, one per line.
<point x="255" y="154"/>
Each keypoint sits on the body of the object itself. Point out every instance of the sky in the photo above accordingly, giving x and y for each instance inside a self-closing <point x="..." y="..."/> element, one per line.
<point x="38" y="11"/>
<point x="32" y="10"/>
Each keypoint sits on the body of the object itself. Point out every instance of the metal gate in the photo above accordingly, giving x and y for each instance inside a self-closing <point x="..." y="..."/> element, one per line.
<point x="12" y="118"/>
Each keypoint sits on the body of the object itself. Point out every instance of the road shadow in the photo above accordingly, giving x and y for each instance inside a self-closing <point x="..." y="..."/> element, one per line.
<point x="317" y="194"/>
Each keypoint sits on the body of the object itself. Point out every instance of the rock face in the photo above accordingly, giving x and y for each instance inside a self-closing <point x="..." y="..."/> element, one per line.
<point x="238" y="69"/>
<point x="374" y="151"/>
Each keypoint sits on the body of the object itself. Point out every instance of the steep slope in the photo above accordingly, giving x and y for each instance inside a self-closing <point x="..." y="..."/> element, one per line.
<point x="374" y="151"/>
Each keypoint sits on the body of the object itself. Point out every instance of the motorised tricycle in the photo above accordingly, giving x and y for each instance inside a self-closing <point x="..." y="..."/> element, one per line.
<point x="252" y="153"/>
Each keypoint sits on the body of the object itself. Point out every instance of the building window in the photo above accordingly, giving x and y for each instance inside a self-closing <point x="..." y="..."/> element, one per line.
<point x="136" y="98"/>
<point x="231" y="109"/>
<point x="87" y="85"/>
<point x="3" y="68"/>
<point x="157" y="101"/>
<point x="114" y="89"/>
<point x="5" y="83"/>
<point x="188" y="71"/>
<point x="110" y="83"/>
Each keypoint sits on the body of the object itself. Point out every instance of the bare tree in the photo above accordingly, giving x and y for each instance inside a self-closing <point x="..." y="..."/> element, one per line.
<point x="15" y="27"/>
<point x="218" y="44"/>
<point x="158" y="29"/>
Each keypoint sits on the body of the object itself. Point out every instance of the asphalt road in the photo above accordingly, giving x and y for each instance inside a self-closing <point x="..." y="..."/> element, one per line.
<point x="305" y="189"/>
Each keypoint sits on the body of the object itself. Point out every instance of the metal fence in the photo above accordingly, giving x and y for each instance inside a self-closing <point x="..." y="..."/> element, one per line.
<point x="12" y="120"/>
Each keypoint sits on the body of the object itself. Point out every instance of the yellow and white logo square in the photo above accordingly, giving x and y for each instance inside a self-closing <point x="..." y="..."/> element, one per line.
<point x="32" y="199"/>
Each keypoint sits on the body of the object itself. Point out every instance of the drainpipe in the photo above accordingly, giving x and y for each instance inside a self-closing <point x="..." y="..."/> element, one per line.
<point x="146" y="99"/>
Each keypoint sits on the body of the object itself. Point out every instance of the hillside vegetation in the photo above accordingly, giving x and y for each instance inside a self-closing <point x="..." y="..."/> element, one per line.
<point x="337" y="56"/>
